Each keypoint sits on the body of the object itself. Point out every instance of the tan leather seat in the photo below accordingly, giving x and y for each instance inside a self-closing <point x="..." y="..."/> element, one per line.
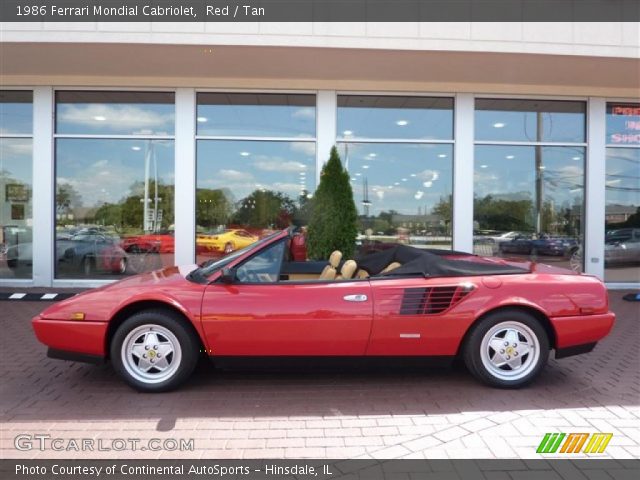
<point x="362" y="274"/>
<point x="347" y="270"/>
<point x="330" y="271"/>
<point x="391" y="266"/>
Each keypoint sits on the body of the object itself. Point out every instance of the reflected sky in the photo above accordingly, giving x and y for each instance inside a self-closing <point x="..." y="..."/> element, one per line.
<point x="256" y="115"/>
<point x="623" y="176"/>
<point x="104" y="170"/>
<point x="115" y="113"/>
<point x="509" y="173"/>
<point x="408" y="178"/>
<point x="242" y="167"/>
<point x="16" y="113"/>
<point x="518" y="120"/>
<point x="361" y="116"/>
<point x="16" y="159"/>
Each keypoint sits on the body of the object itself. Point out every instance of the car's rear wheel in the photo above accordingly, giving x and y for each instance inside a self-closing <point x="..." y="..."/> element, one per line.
<point x="228" y="248"/>
<point x="154" y="351"/>
<point x="87" y="266"/>
<point x="506" y="349"/>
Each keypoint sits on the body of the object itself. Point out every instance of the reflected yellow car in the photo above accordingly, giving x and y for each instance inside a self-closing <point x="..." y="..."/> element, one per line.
<point x="225" y="242"/>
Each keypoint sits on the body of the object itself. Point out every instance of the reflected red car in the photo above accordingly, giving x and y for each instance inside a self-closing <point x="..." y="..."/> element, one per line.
<point x="153" y="242"/>
<point x="501" y="318"/>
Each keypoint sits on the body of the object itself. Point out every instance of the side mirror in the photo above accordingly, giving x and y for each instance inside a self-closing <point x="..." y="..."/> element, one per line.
<point x="228" y="275"/>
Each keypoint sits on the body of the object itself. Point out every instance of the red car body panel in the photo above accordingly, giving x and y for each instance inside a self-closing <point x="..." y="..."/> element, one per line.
<point x="314" y="318"/>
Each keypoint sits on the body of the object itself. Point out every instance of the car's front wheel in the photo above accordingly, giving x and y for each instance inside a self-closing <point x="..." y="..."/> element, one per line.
<point x="154" y="351"/>
<point x="507" y="349"/>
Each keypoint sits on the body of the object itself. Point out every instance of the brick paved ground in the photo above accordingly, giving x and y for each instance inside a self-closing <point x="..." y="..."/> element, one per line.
<point x="434" y="414"/>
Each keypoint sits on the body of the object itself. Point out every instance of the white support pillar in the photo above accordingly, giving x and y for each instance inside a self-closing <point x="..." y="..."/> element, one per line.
<point x="595" y="187"/>
<point x="463" y="173"/>
<point x="44" y="211"/>
<point x="185" y="176"/>
<point x="326" y="124"/>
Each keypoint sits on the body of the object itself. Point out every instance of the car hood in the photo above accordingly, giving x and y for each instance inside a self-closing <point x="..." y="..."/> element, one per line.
<point x="156" y="278"/>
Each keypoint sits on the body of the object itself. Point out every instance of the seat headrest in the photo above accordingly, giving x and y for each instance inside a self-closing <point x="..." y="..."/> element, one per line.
<point x="334" y="259"/>
<point x="348" y="269"/>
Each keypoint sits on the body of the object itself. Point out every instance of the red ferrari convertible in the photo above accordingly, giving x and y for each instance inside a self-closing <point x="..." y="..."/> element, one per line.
<point x="500" y="317"/>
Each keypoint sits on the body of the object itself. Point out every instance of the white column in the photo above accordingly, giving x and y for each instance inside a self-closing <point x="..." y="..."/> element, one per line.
<point x="595" y="188"/>
<point x="185" y="176"/>
<point x="43" y="187"/>
<point x="463" y="173"/>
<point x="326" y="120"/>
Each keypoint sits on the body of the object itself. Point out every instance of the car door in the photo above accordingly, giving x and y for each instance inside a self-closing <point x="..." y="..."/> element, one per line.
<point x="412" y="316"/>
<point x="260" y="315"/>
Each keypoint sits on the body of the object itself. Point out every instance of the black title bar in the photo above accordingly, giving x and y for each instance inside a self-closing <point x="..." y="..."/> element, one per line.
<point x="320" y="10"/>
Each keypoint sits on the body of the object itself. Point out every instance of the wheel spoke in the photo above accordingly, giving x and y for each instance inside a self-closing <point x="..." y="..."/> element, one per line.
<point x="165" y="349"/>
<point x="497" y="344"/>
<point x="515" y="362"/>
<point x="151" y="339"/>
<point x="144" y="365"/>
<point x="524" y="349"/>
<point x="161" y="364"/>
<point x="138" y="350"/>
<point x="511" y="337"/>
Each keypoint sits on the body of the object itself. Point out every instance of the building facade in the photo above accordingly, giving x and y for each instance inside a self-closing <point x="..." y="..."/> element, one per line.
<point x="130" y="146"/>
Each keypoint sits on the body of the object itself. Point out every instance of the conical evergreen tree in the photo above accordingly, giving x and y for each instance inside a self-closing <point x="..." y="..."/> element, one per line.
<point x="333" y="220"/>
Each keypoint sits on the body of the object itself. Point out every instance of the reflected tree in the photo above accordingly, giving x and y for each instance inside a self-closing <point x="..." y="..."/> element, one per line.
<point x="265" y="208"/>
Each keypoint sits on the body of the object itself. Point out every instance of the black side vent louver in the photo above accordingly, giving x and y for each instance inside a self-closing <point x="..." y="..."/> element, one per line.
<point x="431" y="300"/>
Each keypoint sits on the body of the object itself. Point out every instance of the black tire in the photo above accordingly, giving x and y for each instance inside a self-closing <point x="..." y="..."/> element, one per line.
<point x="475" y="349"/>
<point x="87" y="266"/>
<point x="187" y="339"/>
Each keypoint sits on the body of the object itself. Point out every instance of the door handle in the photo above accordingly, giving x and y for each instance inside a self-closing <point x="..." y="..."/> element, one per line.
<point x="355" y="298"/>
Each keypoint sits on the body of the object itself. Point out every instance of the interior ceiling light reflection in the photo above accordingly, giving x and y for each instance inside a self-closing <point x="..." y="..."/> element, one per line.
<point x="499" y="125"/>
<point x="202" y="119"/>
<point x="99" y="118"/>
<point x="402" y="123"/>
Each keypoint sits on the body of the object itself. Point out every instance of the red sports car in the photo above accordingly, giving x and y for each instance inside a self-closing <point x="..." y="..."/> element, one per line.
<point x="501" y="317"/>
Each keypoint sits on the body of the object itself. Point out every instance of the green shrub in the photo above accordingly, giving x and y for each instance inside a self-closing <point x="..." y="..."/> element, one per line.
<point x="334" y="215"/>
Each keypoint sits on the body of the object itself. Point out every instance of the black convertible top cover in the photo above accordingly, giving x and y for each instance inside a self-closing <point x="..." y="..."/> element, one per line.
<point x="430" y="263"/>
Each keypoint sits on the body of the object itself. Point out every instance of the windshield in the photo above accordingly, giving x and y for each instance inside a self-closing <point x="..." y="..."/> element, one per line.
<point x="209" y="268"/>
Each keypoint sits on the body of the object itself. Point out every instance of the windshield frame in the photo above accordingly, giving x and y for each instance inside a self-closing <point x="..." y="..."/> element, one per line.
<point x="218" y="265"/>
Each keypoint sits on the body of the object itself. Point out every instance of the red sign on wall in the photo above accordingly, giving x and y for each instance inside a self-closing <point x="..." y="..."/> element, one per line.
<point x="623" y="124"/>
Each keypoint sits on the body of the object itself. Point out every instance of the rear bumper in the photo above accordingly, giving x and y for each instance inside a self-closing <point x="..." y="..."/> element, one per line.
<point x="581" y="330"/>
<point x="72" y="337"/>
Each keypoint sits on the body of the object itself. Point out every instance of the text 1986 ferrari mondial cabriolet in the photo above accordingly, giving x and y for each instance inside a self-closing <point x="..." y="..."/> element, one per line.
<point x="502" y="318"/>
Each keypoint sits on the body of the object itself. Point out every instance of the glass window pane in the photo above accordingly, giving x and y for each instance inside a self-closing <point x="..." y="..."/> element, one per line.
<point x="115" y="113"/>
<point x="395" y="117"/>
<point x="264" y="267"/>
<point x="247" y="189"/>
<point x="114" y="207"/>
<point x="16" y="214"/>
<point x="257" y="115"/>
<point x="529" y="120"/>
<point x="16" y="112"/>
<point x="622" y="215"/>
<point x="529" y="203"/>
<point x="402" y="192"/>
<point x="623" y="123"/>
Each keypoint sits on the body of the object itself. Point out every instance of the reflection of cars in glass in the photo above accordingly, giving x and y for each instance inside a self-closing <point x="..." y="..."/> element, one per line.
<point x="83" y="253"/>
<point x="503" y="237"/>
<point x="622" y="247"/>
<point x="89" y="252"/>
<point x="546" y="245"/>
<point x="404" y="302"/>
<point x="225" y="242"/>
<point x="160" y="242"/>
<point x="520" y="243"/>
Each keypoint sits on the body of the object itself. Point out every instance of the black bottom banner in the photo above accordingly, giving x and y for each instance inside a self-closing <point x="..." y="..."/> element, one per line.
<point x="543" y="469"/>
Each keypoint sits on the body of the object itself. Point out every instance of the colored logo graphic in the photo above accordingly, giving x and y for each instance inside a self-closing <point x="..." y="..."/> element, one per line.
<point x="574" y="442"/>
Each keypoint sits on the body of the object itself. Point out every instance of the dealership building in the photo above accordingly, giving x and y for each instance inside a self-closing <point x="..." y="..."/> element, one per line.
<point x="129" y="146"/>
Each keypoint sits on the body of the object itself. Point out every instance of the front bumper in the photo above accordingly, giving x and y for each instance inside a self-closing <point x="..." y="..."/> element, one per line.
<point x="582" y="330"/>
<point x="80" y="338"/>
